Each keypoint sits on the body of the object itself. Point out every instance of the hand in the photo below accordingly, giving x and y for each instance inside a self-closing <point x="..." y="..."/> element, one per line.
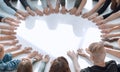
<point x="106" y="31"/>
<point x="81" y="53"/>
<point x="72" y="55"/>
<point x="38" y="57"/>
<point x="57" y="9"/>
<point x="99" y="18"/>
<point x="51" y="10"/>
<point x="30" y="11"/>
<point x="38" y="12"/>
<point x="101" y="22"/>
<point x="73" y="11"/>
<point x="86" y="15"/>
<point x="93" y="16"/>
<point x="64" y="10"/>
<point x="27" y="50"/>
<point x="46" y="11"/>
<point x="46" y="58"/>
<point x="78" y="12"/>
<point x="8" y="32"/>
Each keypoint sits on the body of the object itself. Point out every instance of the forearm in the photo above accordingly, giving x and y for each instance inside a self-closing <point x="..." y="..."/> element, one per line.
<point x="82" y="4"/>
<point x="62" y="2"/>
<point x="10" y="5"/>
<point x="115" y="28"/>
<point x="76" y="65"/>
<point x="25" y="4"/>
<point x="113" y="16"/>
<point x="114" y="35"/>
<point x="113" y="52"/>
<point x="44" y="3"/>
<point x="17" y="53"/>
<point x="77" y="3"/>
<point x="96" y="7"/>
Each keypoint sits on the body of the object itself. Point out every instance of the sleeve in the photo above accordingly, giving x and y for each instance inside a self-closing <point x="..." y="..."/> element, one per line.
<point x="62" y="2"/>
<point x="118" y="67"/>
<point x="104" y="7"/>
<point x="10" y="5"/>
<point x="77" y="3"/>
<point x="9" y="66"/>
<point x="1" y="18"/>
<point x="7" y="57"/>
<point x="42" y="66"/>
<point x="114" y="11"/>
<point x="85" y="70"/>
<point x="44" y="3"/>
<point x="25" y="4"/>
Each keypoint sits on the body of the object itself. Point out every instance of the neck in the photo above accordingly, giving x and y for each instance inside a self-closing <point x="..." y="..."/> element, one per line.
<point x="101" y="63"/>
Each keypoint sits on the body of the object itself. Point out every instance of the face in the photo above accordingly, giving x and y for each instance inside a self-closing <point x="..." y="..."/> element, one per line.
<point x="25" y="60"/>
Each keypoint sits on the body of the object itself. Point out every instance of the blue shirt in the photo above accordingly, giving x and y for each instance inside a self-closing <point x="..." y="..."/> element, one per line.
<point x="7" y="64"/>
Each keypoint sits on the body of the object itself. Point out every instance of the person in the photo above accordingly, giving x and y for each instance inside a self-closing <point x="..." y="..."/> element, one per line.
<point x="94" y="10"/>
<point x="60" y="64"/>
<point x="77" y="9"/>
<point x="108" y="30"/>
<point x="27" y="4"/>
<point x="114" y="16"/>
<point x="97" y="54"/>
<point x="115" y="6"/>
<point x="62" y="3"/>
<point x="7" y="7"/>
<point x="7" y="32"/>
<point x="9" y="43"/>
<point x="106" y="36"/>
<point x="10" y="21"/>
<point x="7" y="27"/>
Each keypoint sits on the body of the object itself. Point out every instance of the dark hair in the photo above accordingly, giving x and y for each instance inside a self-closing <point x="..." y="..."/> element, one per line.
<point x="114" y="4"/>
<point x="25" y="66"/>
<point x="60" y="65"/>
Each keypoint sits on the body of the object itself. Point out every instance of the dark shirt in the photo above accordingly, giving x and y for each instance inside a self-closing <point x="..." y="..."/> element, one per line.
<point x="111" y="66"/>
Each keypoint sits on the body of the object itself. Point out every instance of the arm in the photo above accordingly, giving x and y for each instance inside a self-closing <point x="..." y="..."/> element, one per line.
<point x="104" y="7"/>
<point x="10" y="5"/>
<point x="113" y="52"/>
<point x="82" y="5"/>
<point x="77" y="4"/>
<point x="96" y="7"/>
<point x="25" y="4"/>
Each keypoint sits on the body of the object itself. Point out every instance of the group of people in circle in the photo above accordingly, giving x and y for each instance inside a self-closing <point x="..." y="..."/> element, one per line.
<point x="96" y="52"/>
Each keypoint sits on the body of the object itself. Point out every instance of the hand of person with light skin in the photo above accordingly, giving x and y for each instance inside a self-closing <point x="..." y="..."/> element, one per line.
<point x="97" y="19"/>
<point x="106" y="26"/>
<point x="74" y="58"/>
<point x="51" y="10"/>
<point x="82" y="53"/>
<point x="106" y="30"/>
<point x="24" y="14"/>
<point x="63" y="10"/>
<point x="8" y="32"/>
<point x="86" y="15"/>
<point x="78" y="12"/>
<point x="46" y="58"/>
<point x="7" y="37"/>
<point x="73" y="11"/>
<point x="93" y="16"/>
<point x="38" y="57"/>
<point x="30" y="12"/>
<point x="46" y="11"/>
<point x="11" y="21"/>
<point x="7" y="27"/>
<point x="38" y="12"/>
<point x="57" y="9"/>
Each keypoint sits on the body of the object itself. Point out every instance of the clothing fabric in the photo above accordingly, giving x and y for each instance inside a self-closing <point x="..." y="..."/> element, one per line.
<point x="42" y="66"/>
<point x="8" y="2"/>
<point x="7" y="64"/>
<point x="6" y="8"/>
<point x="1" y="17"/>
<point x="111" y="66"/>
<point x="77" y="3"/>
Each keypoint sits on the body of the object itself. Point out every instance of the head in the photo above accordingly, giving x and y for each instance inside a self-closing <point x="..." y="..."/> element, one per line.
<point x="1" y="51"/>
<point x="114" y="4"/>
<point x="25" y="66"/>
<point x="97" y="52"/>
<point x="60" y="65"/>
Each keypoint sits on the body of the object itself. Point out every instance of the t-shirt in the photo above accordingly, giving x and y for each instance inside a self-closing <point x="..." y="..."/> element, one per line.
<point x="111" y="66"/>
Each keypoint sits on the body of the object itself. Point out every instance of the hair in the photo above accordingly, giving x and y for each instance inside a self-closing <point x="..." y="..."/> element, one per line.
<point x="96" y="48"/>
<point x="25" y="66"/>
<point x="60" y="65"/>
<point x="114" y="4"/>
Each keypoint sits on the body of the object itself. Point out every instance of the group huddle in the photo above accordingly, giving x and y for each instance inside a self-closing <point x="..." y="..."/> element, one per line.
<point x="96" y="52"/>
